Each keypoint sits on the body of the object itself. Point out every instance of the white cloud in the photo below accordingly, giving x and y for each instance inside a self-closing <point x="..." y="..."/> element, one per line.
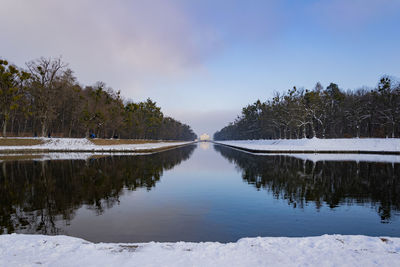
<point x="136" y="46"/>
<point x="121" y="42"/>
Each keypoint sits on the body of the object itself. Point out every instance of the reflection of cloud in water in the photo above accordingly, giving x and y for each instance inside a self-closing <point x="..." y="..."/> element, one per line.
<point x="205" y="145"/>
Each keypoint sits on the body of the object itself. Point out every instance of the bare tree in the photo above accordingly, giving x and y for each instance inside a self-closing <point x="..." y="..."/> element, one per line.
<point x="45" y="72"/>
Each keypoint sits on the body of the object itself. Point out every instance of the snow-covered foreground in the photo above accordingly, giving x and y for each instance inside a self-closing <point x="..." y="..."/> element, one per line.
<point x="316" y="144"/>
<point x="83" y="144"/>
<point x="327" y="250"/>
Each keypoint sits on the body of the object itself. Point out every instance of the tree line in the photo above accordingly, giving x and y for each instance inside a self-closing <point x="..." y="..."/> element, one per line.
<point x="321" y="112"/>
<point x="45" y="98"/>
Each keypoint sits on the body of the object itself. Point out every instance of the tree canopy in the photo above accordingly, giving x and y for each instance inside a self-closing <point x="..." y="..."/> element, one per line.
<point x="321" y="112"/>
<point x="46" y="99"/>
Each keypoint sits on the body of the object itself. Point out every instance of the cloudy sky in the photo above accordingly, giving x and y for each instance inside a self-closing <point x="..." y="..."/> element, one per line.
<point x="203" y="60"/>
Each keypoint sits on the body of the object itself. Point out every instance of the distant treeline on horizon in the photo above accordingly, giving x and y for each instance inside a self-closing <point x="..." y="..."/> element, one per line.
<point x="46" y="99"/>
<point x="321" y="112"/>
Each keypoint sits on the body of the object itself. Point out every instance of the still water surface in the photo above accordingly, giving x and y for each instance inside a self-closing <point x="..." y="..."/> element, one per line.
<point x="199" y="192"/>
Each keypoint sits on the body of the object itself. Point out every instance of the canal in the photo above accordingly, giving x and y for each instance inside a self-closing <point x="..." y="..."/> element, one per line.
<point x="200" y="192"/>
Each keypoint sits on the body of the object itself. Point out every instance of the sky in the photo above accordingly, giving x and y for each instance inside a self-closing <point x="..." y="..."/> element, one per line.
<point x="203" y="61"/>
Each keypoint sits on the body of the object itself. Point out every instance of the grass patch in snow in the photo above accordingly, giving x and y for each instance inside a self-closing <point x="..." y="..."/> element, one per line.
<point x="112" y="142"/>
<point x="20" y="141"/>
<point x="19" y="157"/>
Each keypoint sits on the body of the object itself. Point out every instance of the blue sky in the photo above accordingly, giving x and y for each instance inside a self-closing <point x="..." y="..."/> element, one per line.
<point x="202" y="61"/>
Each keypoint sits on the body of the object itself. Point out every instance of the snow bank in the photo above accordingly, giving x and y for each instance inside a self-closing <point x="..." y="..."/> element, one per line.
<point x="327" y="250"/>
<point x="83" y="144"/>
<point x="316" y="144"/>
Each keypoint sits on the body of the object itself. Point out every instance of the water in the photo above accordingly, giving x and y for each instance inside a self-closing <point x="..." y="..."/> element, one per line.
<point x="199" y="192"/>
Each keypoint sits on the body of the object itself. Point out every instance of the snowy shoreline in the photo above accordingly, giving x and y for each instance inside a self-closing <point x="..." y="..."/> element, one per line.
<point x="326" y="250"/>
<point x="315" y="145"/>
<point x="85" y="145"/>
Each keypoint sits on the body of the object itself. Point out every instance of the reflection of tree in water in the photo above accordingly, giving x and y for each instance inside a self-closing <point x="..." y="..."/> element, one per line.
<point x="34" y="195"/>
<point x="332" y="182"/>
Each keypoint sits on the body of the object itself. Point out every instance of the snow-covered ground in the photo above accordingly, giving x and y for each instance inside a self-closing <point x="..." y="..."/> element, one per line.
<point x="83" y="144"/>
<point x="326" y="250"/>
<point x="316" y="144"/>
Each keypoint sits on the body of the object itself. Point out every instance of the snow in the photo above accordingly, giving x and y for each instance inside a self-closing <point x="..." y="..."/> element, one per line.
<point x="316" y="144"/>
<point x="326" y="250"/>
<point x="83" y="144"/>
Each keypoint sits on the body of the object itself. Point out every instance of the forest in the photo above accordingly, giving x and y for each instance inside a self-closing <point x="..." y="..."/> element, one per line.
<point x="45" y="99"/>
<point x="321" y="112"/>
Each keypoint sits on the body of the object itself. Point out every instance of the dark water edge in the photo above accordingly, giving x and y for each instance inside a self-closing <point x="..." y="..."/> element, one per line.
<point x="198" y="193"/>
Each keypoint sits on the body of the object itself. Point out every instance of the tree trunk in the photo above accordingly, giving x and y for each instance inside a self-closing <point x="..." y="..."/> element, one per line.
<point x="71" y="125"/>
<point x="63" y="122"/>
<point x="393" y="129"/>
<point x="313" y="130"/>
<point x="25" y="124"/>
<point x="4" y="127"/>
<point x="44" y="129"/>
<point x="12" y="125"/>
<point x="358" y="131"/>
<point x="19" y="128"/>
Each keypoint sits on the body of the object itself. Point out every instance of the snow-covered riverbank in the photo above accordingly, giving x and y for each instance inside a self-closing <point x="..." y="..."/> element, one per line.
<point x="85" y="145"/>
<point x="327" y="250"/>
<point x="378" y="145"/>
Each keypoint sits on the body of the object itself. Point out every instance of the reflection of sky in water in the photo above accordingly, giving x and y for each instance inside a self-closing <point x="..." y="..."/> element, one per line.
<point x="206" y="199"/>
<point x="205" y="145"/>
